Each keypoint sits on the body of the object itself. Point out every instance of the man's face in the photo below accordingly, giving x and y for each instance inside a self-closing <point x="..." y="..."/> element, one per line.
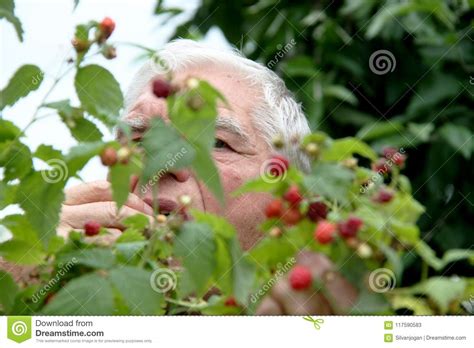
<point x="239" y="153"/>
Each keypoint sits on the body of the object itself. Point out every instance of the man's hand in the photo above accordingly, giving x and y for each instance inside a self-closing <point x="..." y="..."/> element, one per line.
<point x="93" y="201"/>
<point x="339" y="298"/>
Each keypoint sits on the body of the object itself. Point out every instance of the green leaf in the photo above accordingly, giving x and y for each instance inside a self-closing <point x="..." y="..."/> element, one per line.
<point x="20" y="228"/>
<point x="453" y="255"/>
<point x="459" y="137"/>
<point x="376" y="130"/>
<point x="94" y="258"/>
<point x="165" y="149"/>
<point x="441" y="290"/>
<point x="7" y="194"/>
<point x="417" y="305"/>
<point x="8" y="131"/>
<point x="79" y="155"/>
<point x="220" y="226"/>
<point x="26" y="79"/>
<point x="41" y="202"/>
<point x="341" y="93"/>
<point x="81" y="128"/>
<point x="206" y="170"/>
<point x="47" y="152"/>
<point x="15" y="157"/>
<point x="243" y="273"/>
<point x="99" y="93"/>
<point x="371" y="303"/>
<point x="330" y="180"/>
<point x="405" y="232"/>
<point x="22" y="252"/>
<point x="138" y="222"/>
<point x="8" y="291"/>
<point x="90" y="294"/>
<point x="7" y="11"/>
<point x="134" y="286"/>
<point x="120" y="181"/>
<point x="346" y="147"/>
<point x="196" y="246"/>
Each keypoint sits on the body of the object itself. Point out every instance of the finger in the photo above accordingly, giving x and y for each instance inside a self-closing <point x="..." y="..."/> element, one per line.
<point x="269" y="306"/>
<point x="341" y="294"/>
<point x="302" y="302"/>
<point x="105" y="213"/>
<point x="100" y="191"/>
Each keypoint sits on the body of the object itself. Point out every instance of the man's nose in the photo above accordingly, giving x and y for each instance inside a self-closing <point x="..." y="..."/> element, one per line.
<point x="181" y="175"/>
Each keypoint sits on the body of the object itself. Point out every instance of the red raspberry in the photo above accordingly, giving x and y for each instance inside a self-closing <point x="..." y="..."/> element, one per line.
<point x="162" y="88"/>
<point x="108" y="156"/>
<point x="274" y="209"/>
<point x="107" y="27"/>
<point x="350" y="227"/>
<point x="300" y="278"/>
<point x="291" y="216"/>
<point x="381" y="166"/>
<point x="231" y="302"/>
<point x="293" y="196"/>
<point x="392" y="154"/>
<point x="324" y="232"/>
<point x="383" y="196"/>
<point x="278" y="165"/>
<point x="92" y="228"/>
<point x="317" y="211"/>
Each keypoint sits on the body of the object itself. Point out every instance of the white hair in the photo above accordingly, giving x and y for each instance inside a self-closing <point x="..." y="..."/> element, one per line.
<point x="276" y="114"/>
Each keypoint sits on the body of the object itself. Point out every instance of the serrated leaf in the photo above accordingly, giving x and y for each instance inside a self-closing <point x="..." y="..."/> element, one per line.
<point x="90" y="294"/>
<point x="8" y="131"/>
<point x="95" y="258"/>
<point x="22" y="252"/>
<point x="196" y="246"/>
<point x="41" y="202"/>
<point x="99" y="93"/>
<point x="26" y="79"/>
<point x="134" y="286"/>
<point x="162" y="143"/>
<point x="79" y="155"/>
<point x="15" y="157"/>
<point x="330" y="180"/>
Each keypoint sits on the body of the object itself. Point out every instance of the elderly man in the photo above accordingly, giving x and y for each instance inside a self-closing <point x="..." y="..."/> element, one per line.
<point x="259" y="108"/>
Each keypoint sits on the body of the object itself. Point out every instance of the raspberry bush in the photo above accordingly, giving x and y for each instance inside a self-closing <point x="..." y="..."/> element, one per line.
<point x="354" y="205"/>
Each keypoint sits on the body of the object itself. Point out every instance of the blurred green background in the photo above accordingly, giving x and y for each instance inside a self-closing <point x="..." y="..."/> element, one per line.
<point x="397" y="73"/>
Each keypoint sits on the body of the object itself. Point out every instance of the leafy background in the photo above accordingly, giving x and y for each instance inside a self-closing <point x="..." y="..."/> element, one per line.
<point x="322" y="50"/>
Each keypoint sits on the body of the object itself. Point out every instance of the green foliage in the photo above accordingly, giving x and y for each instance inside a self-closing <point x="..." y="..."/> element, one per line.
<point x="7" y="11"/>
<point x="199" y="253"/>
<point x="322" y="50"/>
<point x="26" y="79"/>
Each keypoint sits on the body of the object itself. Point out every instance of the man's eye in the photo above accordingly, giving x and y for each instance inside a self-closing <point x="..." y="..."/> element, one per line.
<point x="220" y="144"/>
